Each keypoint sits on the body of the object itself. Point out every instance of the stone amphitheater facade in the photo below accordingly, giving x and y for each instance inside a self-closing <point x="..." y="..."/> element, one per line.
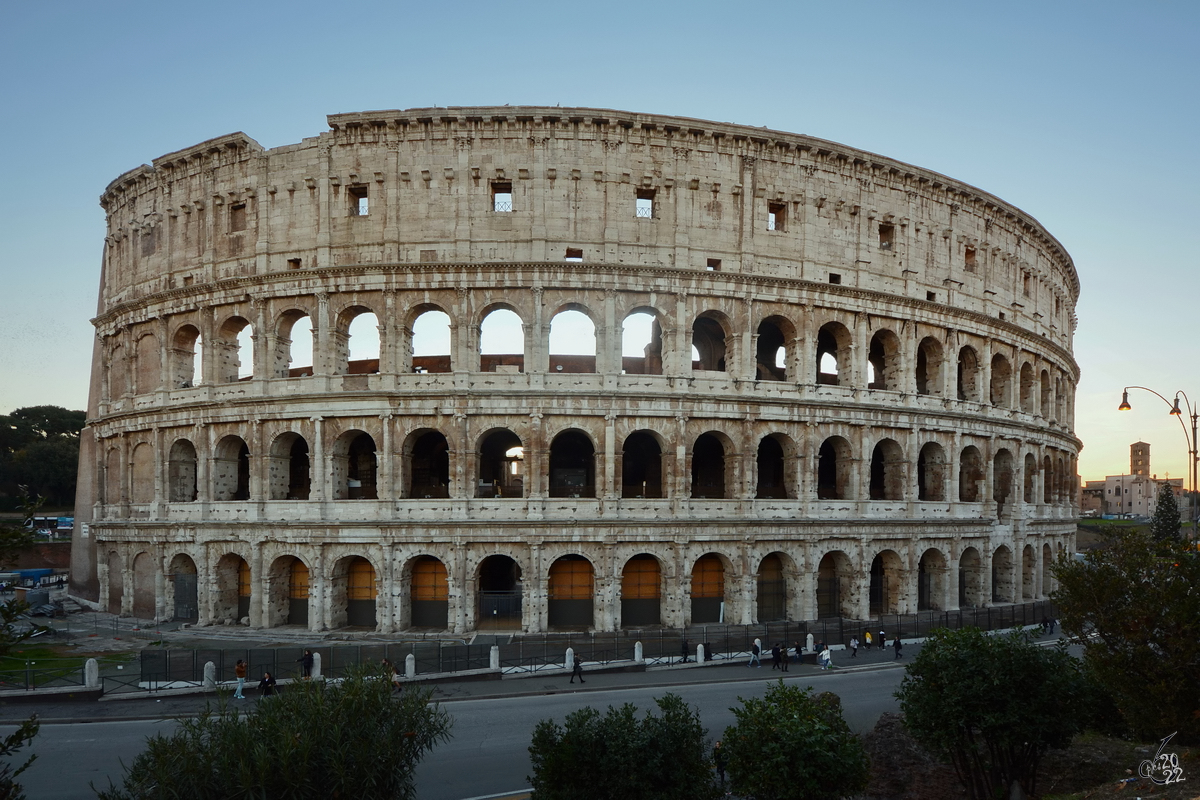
<point x="855" y="393"/>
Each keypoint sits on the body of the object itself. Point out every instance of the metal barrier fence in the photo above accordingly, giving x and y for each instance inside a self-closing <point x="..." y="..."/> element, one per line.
<point x="162" y="668"/>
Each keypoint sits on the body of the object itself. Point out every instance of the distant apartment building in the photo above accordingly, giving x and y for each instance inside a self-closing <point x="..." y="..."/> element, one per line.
<point x="1134" y="494"/>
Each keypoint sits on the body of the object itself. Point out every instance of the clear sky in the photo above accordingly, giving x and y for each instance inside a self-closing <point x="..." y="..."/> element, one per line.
<point x="1083" y="114"/>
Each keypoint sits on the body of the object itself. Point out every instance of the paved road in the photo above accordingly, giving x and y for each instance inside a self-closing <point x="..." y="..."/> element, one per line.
<point x="493" y="723"/>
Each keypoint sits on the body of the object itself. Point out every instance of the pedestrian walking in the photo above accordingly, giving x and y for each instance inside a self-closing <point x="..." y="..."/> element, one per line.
<point x="784" y="660"/>
<point x="825" y="658"/>
<point x="854" y="647"/>
<point x="1053" y="622"/>
<point x="882" y="639"/>
<point x="896" y="644"/>
<point x="577" y="669"/>
<point x="1045" y="625"/>
<point x="685" y="652"/>
<point x="719" y="761"/>
<point x="775" y="657"/>
<point x="867" y="639"/>
<point x="266" y="687"/>
<point x="306" y="664"/>
<point x="799" y="653"/>
<point x="239" y="671"/>
<point x="754" y="656"/>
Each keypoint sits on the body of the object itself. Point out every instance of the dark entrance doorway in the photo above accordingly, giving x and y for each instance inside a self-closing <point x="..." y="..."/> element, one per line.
<point x="499" y="593"/>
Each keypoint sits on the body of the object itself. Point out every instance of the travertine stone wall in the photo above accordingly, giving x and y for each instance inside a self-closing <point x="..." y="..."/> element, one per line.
<point x="931" y="467"/>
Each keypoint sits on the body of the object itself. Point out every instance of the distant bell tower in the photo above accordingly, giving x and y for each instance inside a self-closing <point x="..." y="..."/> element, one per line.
<point x="1139" y="459"/>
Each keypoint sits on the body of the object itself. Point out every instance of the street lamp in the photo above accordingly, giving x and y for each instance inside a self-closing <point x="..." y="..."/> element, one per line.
<point x="1178" y="413"/>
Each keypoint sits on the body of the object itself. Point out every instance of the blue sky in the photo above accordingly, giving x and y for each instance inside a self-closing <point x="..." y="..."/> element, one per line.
<point x="1082" y="114"/>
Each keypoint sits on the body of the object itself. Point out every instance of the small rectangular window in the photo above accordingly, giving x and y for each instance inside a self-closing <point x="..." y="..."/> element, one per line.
<point x="1057" y="306"/>
<point x="714" y="265"/>
<point x="237" y="217"/>
<point x="1025" y="283"/>
<point x="645" y="204"/>
<point x="835" y="278"/>
<point x="931" y="297"/>
<point x="502" y="197"/>
<point x="887" y="235"/>
<point x="1002" y="315"/>
<point x="776" y="216"/>
<point x="294" y="263"/>
<point x="574" y="254"/>
<point x="359" y="205"/>
<point x="969" y="258"/>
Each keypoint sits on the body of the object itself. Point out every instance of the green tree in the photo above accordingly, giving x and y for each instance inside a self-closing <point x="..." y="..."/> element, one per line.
<point x="349" y="739"/>
<point x="623" y="756"/>
<point x="1135" y="608"/>
<point x="993" y="705"/>
<point x="790" y="745"/>
<point x="39" y="448"/>
<point x="1165" y="523"/>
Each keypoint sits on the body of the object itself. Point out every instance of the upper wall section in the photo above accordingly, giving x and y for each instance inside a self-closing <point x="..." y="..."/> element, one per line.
<point x="531" y="184"/>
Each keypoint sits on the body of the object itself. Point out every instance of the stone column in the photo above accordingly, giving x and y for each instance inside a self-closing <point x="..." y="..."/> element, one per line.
<point x="319" y="470"/>
<point x="611" y="490"/>
<point x="258" y="584"/>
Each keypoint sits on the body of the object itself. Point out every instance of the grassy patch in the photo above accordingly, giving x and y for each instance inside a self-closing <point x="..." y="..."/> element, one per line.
<point x="1094" y="767"/>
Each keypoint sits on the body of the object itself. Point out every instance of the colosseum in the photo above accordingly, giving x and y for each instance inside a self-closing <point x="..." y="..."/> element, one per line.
<point x="536" y="369"/>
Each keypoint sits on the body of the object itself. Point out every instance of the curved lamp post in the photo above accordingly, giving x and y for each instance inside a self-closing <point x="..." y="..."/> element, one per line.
<point x="1178" y="413"/>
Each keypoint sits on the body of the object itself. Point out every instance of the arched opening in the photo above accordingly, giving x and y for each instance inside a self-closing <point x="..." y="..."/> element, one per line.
<point x="883" y="361"/>
<point x="183" y="586"/>
<point x="929" y="367"/>
<point x="141" y="483"/>
<point x="288" y="472"/>
<point x="641" y="466"/>
<point x="354" y="594"/>
<point x="1001" y="380"/>
<point x="148" y="373"/>
<point x="298" y="589"/>
<point x="833" y="350"/>
<point x="1028" y="573"/>
<point x="771" y="350"/>
<point x="708" y="590"/>
<point x="1028" y="478"/>
<point x="430" y="594"/>
<point x="833" y="469"/>
<point x="1044" y="393"/>
<point x="294" y="345"/>
<point x="571" y="593"/>
<point x="502" y="342"/>
<point x="886" y="579"/>
<point x="572" y="342"/>
<point x="1047" y="577"/>
<point x="641" y="592"/>
<point x="354" y="467"/>
<point x="887" y="471"/>
<point x="572" y="465"/>
<point x="968" y="374"/>
<point x="708" y="344"/>
<point x="186" y="358"/>
<point x="231" y="470"/>
<point x="234" y="351"/>
<point x="1002" y="575"/>
<point x="287" y="592"/>
<point x="431" y="342"/>
<point x="1061" y="480"/>
<point x="772" y="481"/>
<point x="118" y="374"/>
<point x="234" y="589"/>
<point x="970" y="579"/>
<point x="501" y="465"/>
<point x="1027" y="387"/>
<point x="360" y="347"/>
<point x="931" y="473"/>
<point x="641" y="344"/>
<point x="708" y="468"/>
<point x="428" y="457"/>
<point x="1002" y="478"/>
<point x="835" y="586"/>
<point x="112" y="477"/>
<point x="970" y="475"/>
<point x="499" y="593"/>
<point x="772" y="590"/>
<point x="931" y="581"/>
<point x="181" y="472"/>
<point x="144" y="606"/>
<point x="116" y="582"/>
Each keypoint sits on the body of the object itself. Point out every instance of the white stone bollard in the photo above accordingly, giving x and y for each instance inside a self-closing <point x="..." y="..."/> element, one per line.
<point x="637" y="653"/>
<point x="316" y="670"/>
<point x="808" y="643"/>
<point x="91" y="674"/>
<point x="210" y="675"/>
<point x="410" y="666"/>
<point x="494" y="657"/>
<point x="570" y="659"/>
<point x="699" y="654"/>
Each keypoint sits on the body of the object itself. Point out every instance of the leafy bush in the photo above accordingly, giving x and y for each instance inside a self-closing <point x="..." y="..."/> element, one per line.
<point x="619" y="756"/>
<point x="790" y="745"/>
<point x="350" y="739"/>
